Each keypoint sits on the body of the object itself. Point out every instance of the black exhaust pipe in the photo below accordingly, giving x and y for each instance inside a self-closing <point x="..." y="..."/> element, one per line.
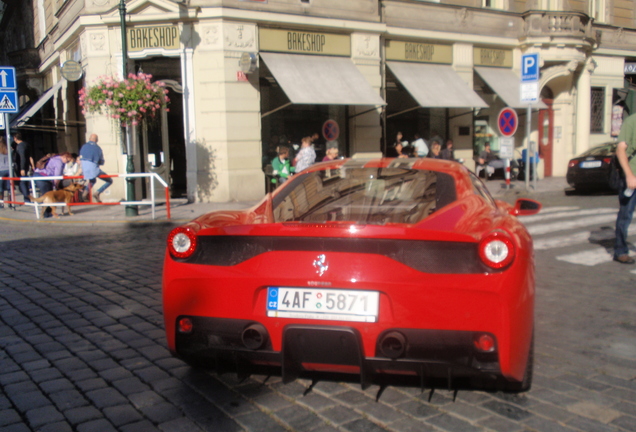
<point x="254" y="337"/>
<point x="393" y="345"/>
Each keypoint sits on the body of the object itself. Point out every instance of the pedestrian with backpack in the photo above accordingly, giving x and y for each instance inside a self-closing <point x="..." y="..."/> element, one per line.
<point x="92" y="157"/>
<point x="625" y="151"/>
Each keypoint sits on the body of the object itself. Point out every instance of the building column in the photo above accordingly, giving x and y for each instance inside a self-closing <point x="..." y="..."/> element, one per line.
<point x="583" y="107"/>
<point x="228" y="117"/>
<point x="366" y="128"/>
<point x="100" y="57"/>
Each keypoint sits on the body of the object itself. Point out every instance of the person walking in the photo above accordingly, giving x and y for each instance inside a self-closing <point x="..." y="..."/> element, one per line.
<point x="92" y="157"/>
<point x="625" y="151"/>
<point x="4" y="170"/>
<point x="24" y="163"/>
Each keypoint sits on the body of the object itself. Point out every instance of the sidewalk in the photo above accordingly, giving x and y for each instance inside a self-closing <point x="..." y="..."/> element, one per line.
<point x="518" y="187"/>
<point x="181" y="211"/>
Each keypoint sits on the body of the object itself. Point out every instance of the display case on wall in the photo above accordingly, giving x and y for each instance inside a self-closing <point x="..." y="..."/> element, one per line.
<point x="484" y="133"/>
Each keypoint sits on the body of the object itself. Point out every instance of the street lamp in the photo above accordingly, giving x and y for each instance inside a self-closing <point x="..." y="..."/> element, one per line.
<point x="130" y="167"/>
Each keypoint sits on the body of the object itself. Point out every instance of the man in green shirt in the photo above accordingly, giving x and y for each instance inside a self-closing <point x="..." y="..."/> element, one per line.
<point x="281" y="166"/>
<point x="626" y="198"/>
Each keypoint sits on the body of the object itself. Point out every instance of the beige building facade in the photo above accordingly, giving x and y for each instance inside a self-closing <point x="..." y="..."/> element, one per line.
<point x="248" y="76"/>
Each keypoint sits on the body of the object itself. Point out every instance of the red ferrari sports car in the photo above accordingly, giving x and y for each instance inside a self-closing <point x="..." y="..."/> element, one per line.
<point x="382" y="271"/>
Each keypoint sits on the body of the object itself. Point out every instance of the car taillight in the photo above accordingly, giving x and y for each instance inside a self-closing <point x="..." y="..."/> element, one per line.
<point x="496" y="250"/>
<point x="484" y="342"/>
<point x="607" y="160"/>
<point x="182" y="242"/>
<point x="573" y="163"/>
<point x="185" y="325"/>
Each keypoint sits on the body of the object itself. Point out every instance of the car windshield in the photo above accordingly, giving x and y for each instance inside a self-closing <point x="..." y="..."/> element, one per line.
<point x="364" y="195"/>
<point x="604" y="150"/>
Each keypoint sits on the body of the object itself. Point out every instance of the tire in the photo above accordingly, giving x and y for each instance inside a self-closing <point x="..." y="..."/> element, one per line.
<point x="526" y="383"/>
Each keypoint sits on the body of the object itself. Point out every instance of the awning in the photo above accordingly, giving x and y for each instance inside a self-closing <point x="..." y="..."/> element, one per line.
<point x="35" y="107"/>
<point x="435" y="86"/>
<point x="506" y="83"/>
<point x="321" y="80"/>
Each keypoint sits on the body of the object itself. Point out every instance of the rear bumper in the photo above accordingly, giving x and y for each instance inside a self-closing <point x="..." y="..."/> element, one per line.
<point x="426" y="358"/>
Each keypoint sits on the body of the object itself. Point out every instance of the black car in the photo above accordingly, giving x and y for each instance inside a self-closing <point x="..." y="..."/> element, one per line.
<point x="590" y="170"/>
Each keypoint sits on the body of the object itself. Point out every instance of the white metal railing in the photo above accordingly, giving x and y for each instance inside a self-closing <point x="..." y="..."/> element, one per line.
<point x="151" y="203"/>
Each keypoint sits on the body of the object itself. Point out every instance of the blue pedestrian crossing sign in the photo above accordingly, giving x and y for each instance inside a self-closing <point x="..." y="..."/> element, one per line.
<point x="7" y="78"/>
<point x="8" y="101"/>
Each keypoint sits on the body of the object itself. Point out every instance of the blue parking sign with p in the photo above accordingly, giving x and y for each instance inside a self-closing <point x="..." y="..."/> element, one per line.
<point x="530" y="67"/>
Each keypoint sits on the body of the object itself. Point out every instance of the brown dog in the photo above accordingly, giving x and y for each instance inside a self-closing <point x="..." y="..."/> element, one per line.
<point x="58" y="196"/>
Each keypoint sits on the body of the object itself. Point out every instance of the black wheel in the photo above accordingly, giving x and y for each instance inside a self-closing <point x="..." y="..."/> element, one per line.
<point x="526" y="383"/>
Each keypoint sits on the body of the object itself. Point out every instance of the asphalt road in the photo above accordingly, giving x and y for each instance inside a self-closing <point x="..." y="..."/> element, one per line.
<point x="82" y="345"/>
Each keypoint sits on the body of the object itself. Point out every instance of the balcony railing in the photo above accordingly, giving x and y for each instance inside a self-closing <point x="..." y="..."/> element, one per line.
<point x="558" y="24"/>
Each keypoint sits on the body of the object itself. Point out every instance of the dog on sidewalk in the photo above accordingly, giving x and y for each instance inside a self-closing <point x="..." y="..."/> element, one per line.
<point x="58" y="196"/>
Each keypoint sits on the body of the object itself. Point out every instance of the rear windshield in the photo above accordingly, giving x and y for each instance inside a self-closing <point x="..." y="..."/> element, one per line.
<point x="604" y="150"/>
<point x="364" y="195"/>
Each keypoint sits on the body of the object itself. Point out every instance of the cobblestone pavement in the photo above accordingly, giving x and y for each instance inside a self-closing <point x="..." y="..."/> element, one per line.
<point x="82" y="349"/>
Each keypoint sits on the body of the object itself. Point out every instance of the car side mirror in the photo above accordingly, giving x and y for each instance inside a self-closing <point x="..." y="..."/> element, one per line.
<point x="525" y="207"/>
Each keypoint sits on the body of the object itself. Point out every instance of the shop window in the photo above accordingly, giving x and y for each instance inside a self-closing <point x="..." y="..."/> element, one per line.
<point x="597" y="110"/>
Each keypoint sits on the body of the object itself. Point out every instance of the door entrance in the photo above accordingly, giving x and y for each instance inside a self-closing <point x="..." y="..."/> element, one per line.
<point x="546" y="136"/>
<point x="163" y="141"/>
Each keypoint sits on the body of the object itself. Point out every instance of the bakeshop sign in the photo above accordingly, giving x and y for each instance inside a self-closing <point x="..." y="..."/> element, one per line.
<point x="150" y="37"/>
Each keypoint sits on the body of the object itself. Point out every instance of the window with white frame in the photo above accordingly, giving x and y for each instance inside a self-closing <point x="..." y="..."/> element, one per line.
<point x="597" y="110"/>
<point x="495" y="4"/>
<point x="41" y="19"/>
<point x="597" y="10"/>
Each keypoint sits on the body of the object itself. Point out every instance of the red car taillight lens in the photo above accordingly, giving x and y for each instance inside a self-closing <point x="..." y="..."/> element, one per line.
<point x="484" y="342"/>
<point x="573" y="163"/>
<point x="185" y="325"/>
<point x="496" y="250"/>
<point x="607" y="160"/>
<point x="182" y="242"/>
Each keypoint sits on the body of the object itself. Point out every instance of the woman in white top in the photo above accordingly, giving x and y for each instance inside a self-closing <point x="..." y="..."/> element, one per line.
<point x="73" y="168"/>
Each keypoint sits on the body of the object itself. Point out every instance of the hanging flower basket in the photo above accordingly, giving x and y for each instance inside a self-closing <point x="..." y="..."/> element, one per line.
<point x="127" y="101"/>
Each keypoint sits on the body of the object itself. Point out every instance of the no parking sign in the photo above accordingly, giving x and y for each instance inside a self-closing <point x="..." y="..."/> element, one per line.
<point x="507" y="122"/>
<point x="330" y="130"/>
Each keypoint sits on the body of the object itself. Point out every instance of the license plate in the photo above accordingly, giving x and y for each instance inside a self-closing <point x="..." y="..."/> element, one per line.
<point x="323" y="304"/>
<point x="591" y="164"/>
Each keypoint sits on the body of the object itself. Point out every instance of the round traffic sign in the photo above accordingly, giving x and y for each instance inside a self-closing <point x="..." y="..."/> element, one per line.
<point x="330" y="130"/>
<point x="507" y="121"/>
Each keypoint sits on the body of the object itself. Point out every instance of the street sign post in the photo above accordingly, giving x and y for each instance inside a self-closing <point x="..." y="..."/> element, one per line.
<point x="530" y="67"/>
<point x="7" y="78"/>
<point x="529" y="93"/>
<point x="8" y="104"/>
<point x="507" y="122"/>
<point x="8" y="101"/>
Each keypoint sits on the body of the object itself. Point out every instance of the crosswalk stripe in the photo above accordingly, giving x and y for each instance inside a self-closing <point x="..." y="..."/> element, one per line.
<point x="570" y="224"/>
<point x="590" y="257"/>
<point x="566" y="214"/>
<point x="557" y="209"/>
<point x="577" y="238"/>
<point x="561" y="241"/>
